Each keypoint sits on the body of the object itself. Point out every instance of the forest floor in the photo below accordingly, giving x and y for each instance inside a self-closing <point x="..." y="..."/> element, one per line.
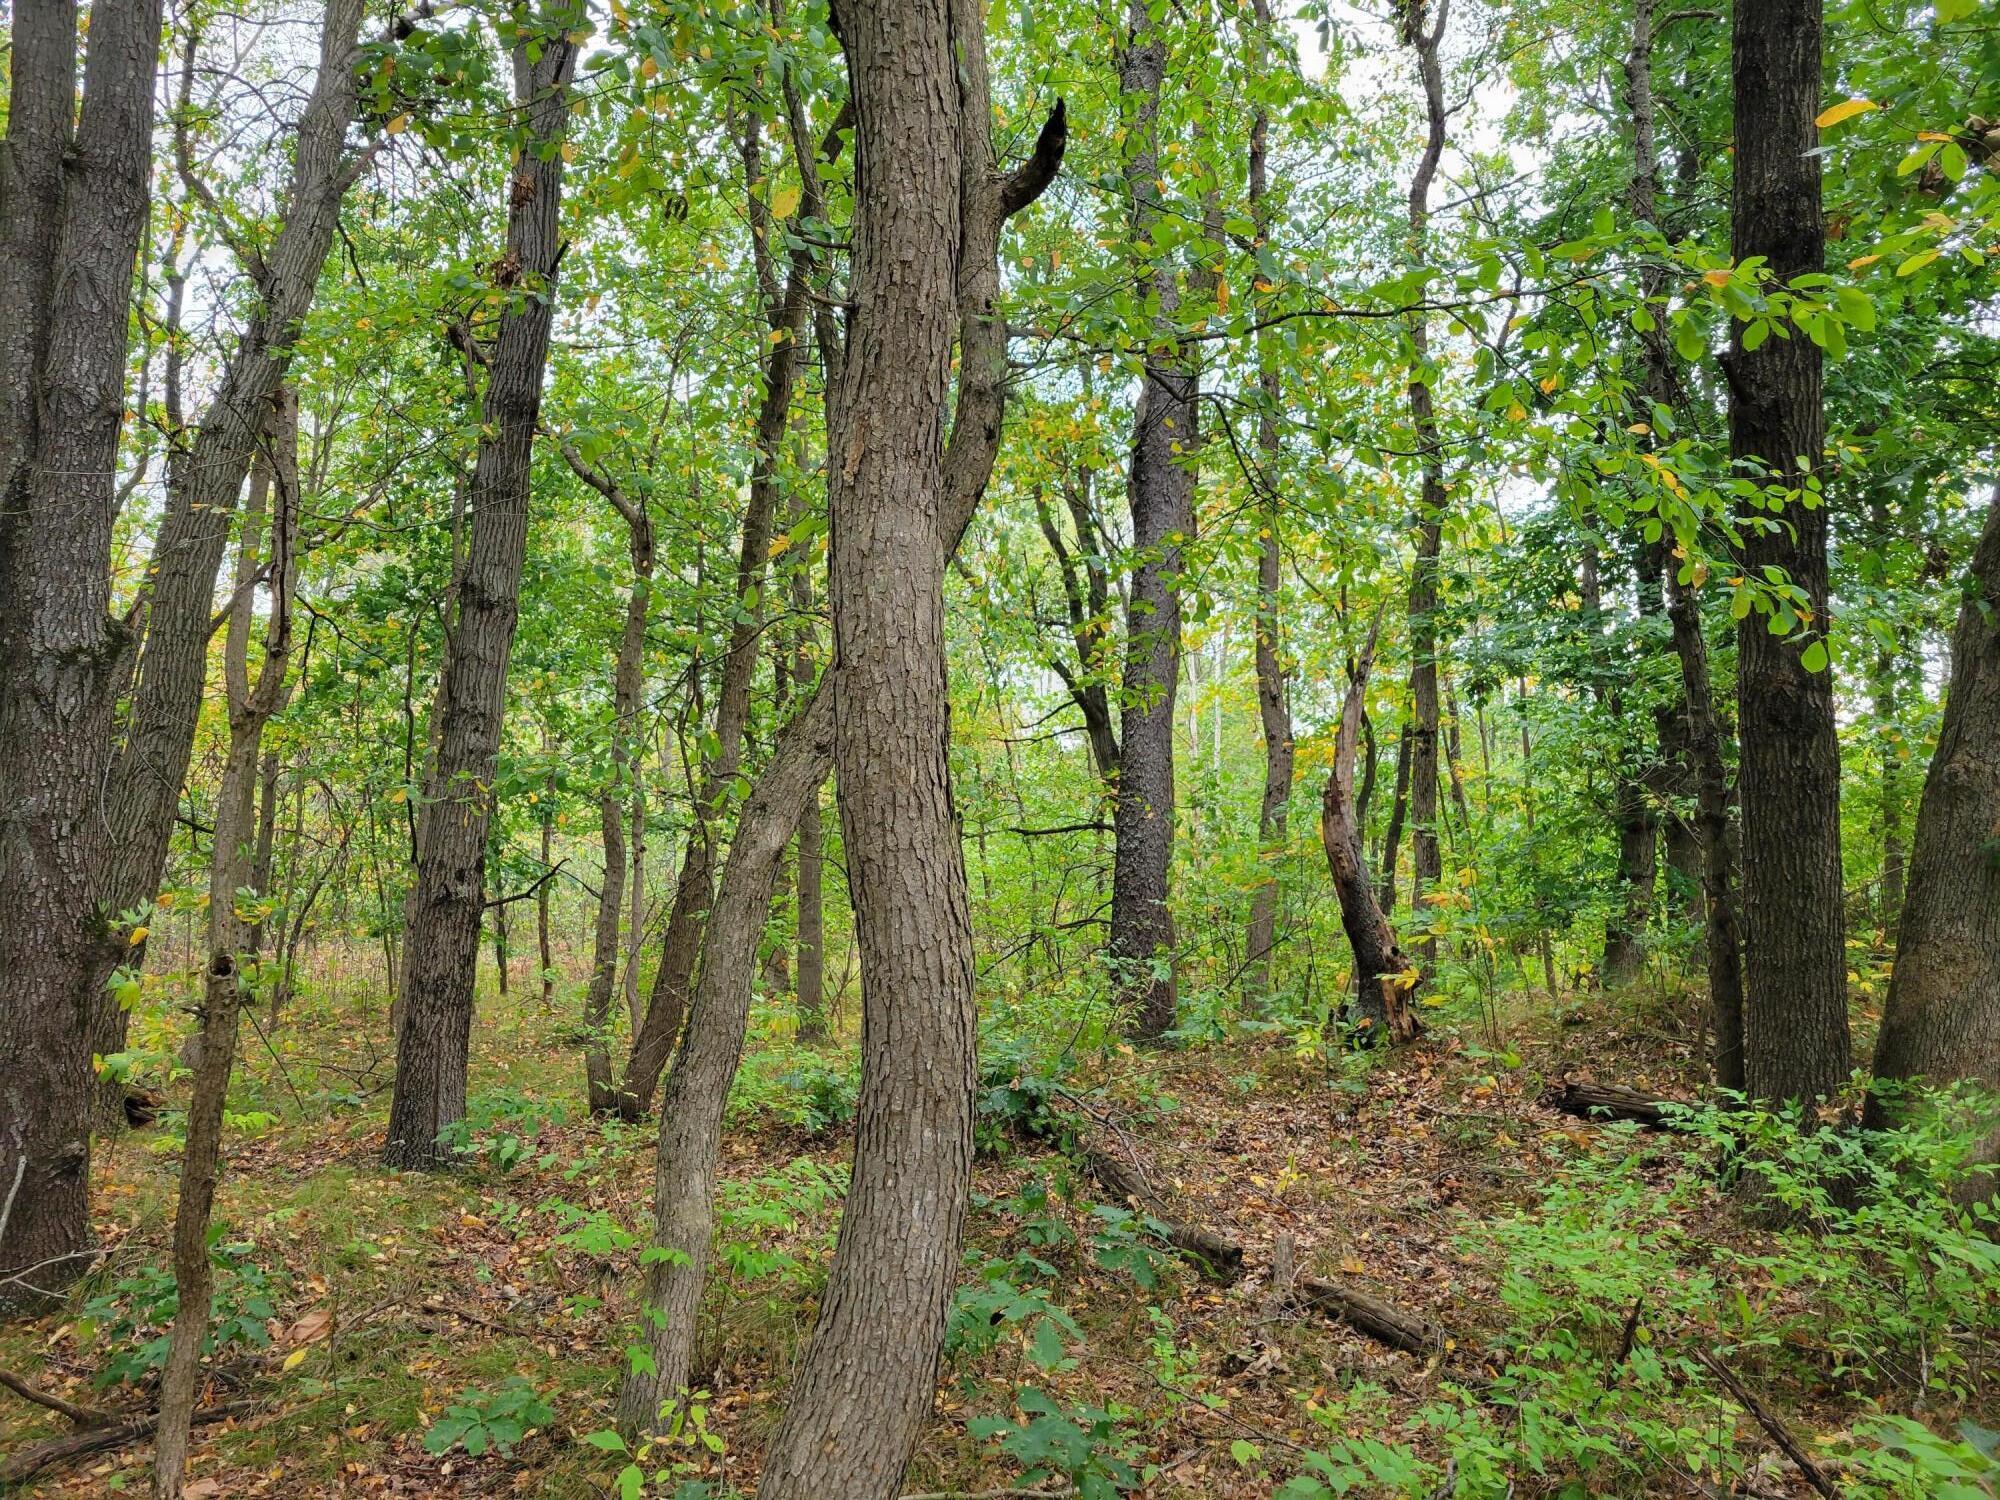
<point x="374" y="1301"/>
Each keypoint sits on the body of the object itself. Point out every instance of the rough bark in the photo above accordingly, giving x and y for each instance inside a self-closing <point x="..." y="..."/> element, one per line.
<point x="174" y="611"/>
<point x="442" y="953"/>
<point x="73" y="206"/>
<point x="809" y="903"/>
<point x="1159" y="490"/>
<point x="1427" y="523"/>
<point x="1380" y="965"/>
<point x="918" y="80"/>
<point x="1273" y="692"/>
<point x="1942" y="1019"/>
<point x="1795" y="964"/>
<point x="231" y="931"/>
<point x="628" y="676"/>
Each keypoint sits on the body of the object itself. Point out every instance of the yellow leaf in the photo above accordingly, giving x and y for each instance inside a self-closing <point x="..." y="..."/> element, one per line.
<point x="1933" y="135"/>
<point x="1354" y="1266"/>
<point x="785" y="202"/>
<point x="569" y="151"/>
<point x="1847" y="109"/>
<point x="296" y="1358"/>
<point x="1716" y="278"/>
<point x="138" y="936"/>
<point x="779" y="543"/>
<point x="648" y="68"/>
<point x="398" y="125"/>
<point x="1862" y="260"/>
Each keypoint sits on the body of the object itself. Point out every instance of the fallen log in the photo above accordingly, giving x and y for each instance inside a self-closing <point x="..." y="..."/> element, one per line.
<point x="1610" y="1101"/>
<point x="1382" y="1321"/>
<point x="142" y="1105"/>
<point x="29" y="1462"/>
<point x="1219" y="1257"/>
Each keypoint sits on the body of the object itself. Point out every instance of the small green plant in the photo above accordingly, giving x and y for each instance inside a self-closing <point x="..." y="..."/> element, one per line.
<point x="134" y="1319"/>
<point x="1086" y="1445"/>
<point x="684" y="1440"/>
<point x="495" y="1419"/>
<point x="501" y="1128"/>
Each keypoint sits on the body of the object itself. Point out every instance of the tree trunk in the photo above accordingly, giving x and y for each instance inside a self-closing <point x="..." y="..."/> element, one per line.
<point x="1795" y="963"/>
<point x="433" y="1041"/>
<point x="75" y="201"/>
<point x="230" y="930"/>
<point x="1942" y="1020"/>
<point x="1422" y="731"/>
<point x="1380" y="968"/>
<point x="1273" y="705"/>
<point x="1160" y="494"/>
<point x="809" y="926"/>
<point x="144" y="790"/>
<point x="628" y="678"/>
<point x="928" y="214"/>
<point x="696" y="1093"/>
<point x="1392" y="836"/>
<point x="544" y="939"/>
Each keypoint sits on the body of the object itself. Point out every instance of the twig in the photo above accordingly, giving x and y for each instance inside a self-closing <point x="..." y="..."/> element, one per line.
<point x="1015" y="1494"/>
<point x="83" y="1416"/>
<point x="1625" y="1338"/>
<point x="1767" y="1419"/>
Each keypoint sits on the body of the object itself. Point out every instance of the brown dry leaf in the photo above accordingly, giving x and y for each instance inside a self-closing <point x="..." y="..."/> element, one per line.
<point x="314" y="1325"/>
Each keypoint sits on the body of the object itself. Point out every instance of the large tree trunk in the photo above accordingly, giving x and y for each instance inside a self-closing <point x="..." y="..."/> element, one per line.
<point x="1942" y="1020"/>
<point x="433" y="1040"/>
<point x="1382" y="973"/>
<point x="73" y="202"/>
<point x="1160" y="494"/>
<point x="809" y="926"/>
<point x="924" y="175"/>
<point x="231" y="935"/>
<point x="1273" y="705"/>
<point x="628" y="677"/>
<point x="1795" y="962"/>
<point x="175" y="609"/>
<point x="1428" y="522"/>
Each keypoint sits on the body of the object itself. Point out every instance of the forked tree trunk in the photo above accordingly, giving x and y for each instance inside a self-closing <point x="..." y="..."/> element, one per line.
<point x="1383" y="974"/>
<point x="433" y="1041"/>
<point x="1795" y="962"/>
<point x="73" y="202"/>
<point x="1159" y="491"/>
<point x="1273" y="705"/>
<point x="1428" y="521"/>
<point x="867" y="1379"/>
<point x="1942" y="1020"/>
<point x="174" y="610"/>
<point x="231" y="932"/>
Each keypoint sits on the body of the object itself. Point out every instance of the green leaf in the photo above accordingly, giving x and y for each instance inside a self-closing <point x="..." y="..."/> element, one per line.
<point x="1814" y="657"/>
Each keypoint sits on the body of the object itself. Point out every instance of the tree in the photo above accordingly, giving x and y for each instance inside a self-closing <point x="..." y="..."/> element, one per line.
<point x="1273" y="699"/>
<point x="1159" y="490"/>
<point x="171" y="618"/>
<point x="450" y="892"/>
<point x="233" y="901"/>
<point x="1795" y="961"/>
<point x="73" y="201"/>
<point x="929" y="209"/>
<point x="1424" y="35"/>
<point x="1942" y="1019"/>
